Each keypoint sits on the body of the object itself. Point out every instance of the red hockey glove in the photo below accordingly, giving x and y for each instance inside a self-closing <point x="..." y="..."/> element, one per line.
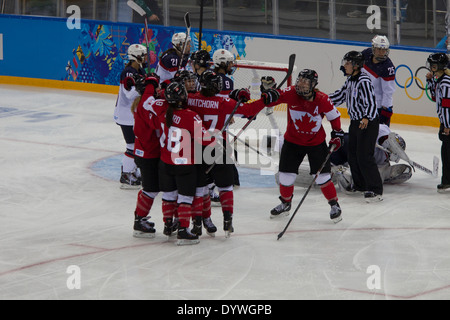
<point x="270" y="96"/>
<point x="337" y="138"/>
<point x="128" y="82"/>
<point x="240" y="94"/>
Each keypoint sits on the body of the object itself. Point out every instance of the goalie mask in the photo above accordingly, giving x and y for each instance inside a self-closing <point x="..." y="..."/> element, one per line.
<point x="306" y="83"/>
<point x="137" y="52"/>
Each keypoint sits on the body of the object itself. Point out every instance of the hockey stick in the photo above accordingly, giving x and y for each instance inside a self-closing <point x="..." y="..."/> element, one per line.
<point x="307" y="191"/>
<point x="227" y="122"/>
<point x="200" y="26"/>
<point x="288" y="74"/>
<point x="187" y="22"/>
<point x="414" y="164"/>
<point x="141" y="11"/>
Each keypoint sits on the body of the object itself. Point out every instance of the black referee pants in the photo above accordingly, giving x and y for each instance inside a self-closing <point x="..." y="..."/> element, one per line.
<point x="361" y="148"/>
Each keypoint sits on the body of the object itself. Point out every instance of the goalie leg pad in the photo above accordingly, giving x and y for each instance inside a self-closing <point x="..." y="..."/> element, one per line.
<point x="399" y="173"/>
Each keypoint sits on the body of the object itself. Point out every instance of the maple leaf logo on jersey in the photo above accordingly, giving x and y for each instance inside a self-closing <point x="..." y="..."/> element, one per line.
<point x="306" y="122"/>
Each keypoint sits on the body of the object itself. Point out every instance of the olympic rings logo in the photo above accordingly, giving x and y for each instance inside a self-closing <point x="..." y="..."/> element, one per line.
<point x="413" y="78"/>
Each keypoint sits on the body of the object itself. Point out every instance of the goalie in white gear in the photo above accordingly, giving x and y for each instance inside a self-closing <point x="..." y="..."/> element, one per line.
<point x="392" y="174"/>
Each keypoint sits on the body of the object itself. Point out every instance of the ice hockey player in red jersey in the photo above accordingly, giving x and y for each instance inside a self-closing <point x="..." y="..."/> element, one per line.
<point x="146" y="154"/>
<point x="305" y="135"/>
<point x="214" y="111"/>
<point x="181" y="138"/>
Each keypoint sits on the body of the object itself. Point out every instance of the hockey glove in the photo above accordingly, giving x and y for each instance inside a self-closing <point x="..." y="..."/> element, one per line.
<point x="150" y="80"/>
<point x="270" y="96"/>
<point x="128" y="82"/>
<point x="337" y="138"/>
<point x="240" y="94"/>
<point x="385" y="115"/>
<point x="267" y="83"/>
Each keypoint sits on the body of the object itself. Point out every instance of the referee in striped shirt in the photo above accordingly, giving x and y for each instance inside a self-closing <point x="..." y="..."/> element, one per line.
<point x="438" y="81"/>
<point x="359" y="96"/>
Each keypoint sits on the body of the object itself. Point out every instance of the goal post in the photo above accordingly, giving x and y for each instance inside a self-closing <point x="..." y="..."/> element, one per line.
<point x="264" y="132"/>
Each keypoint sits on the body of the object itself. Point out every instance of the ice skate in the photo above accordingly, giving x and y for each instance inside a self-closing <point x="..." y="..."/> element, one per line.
<point x="335" y="212"/>
<point x="371" y="196"/>
<point x="169" y="227"/>
<point x="186" y="237"/>
<point x="197" y="226"/>
<point x="228" y="224"/>
<point x="143" y="228"/>
<point x="281" y="210"/>
<point x="210" y="227"/>
<point x="443" y="188"/>
<point x="128" y="180"/>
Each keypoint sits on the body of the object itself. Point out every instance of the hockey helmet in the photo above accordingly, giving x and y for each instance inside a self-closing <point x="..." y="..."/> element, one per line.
<point x="224" y="59"/>
<point x="355" y="58"/>
<point x="306" y="82"/>
<point x="211" y="81"/>
<point x="440" y="60"/>
<point x="188" y="78"/>
<point x="178" y="40"/>
<point x="176" y="93"/>
<point x="380" y="42"/>
<point x="137" y="52"/>
<point x="202" y="58"/>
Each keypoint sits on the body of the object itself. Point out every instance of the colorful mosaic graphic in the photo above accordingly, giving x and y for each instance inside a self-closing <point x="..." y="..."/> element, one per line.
<point x="101" y="52"/>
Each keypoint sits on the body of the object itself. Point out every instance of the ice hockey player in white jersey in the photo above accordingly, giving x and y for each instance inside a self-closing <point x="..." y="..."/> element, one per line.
<point x="133" y="72"/>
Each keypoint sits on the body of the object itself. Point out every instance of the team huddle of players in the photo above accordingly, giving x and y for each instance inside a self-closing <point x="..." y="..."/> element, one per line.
<point x="176" y="136"/>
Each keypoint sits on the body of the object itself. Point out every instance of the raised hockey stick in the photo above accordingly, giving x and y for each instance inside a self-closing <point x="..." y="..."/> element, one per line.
<point x="141" y="11"/>
<point x="414" y="164"/>
<point x="187" y="22"/>
<point x="307" y="190"/>
<point x="200" y="26"/>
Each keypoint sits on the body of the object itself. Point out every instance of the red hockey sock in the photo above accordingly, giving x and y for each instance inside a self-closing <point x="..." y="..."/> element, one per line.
<point x="206" y="206"/>
<point x="226" y="200"/>
<point x="329" y="191"/>
<point x="184" y="214"/>
<point x="143" y="205"/>
<point x="286" y="192"/>
<point x="169" y="209"/>
<point x="197" y="207"/>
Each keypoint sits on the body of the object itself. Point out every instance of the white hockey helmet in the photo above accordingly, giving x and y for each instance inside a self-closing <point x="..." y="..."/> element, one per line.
<point x="223" y="59"/>
<point x="380" y="42"/>
<point x="178" y="39"/>
<point x="137" y="52"/>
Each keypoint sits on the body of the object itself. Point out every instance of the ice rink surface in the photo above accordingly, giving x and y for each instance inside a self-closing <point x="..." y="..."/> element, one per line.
<point x="65" y="221"/>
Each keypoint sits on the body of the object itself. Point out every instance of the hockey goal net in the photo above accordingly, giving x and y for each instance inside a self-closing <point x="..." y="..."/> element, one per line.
<point x="264" y="131"/>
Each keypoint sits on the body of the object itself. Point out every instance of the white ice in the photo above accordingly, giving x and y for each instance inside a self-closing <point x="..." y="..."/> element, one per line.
<point x="57" y="211"/>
